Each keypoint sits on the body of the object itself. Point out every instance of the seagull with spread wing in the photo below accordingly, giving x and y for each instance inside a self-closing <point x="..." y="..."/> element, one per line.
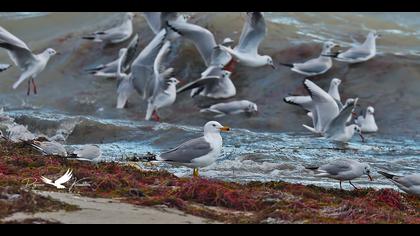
<point x="4" y="67"/>
<point x="59" y="182"/>
<point x="31" y="64"/>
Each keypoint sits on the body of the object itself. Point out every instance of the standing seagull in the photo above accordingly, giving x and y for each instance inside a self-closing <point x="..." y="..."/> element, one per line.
<point x="343" y="170"/>
<point x="338" y="130"/>
<point x="367" y="121"/>
<point x="317" y="66"/>
<point x="164" y="90"/>
<point x="117" y="34"/>
<point x="31" y="64"/>
<point x="409" y="184"/>
<point x="4" y="67"/>
<point x="360" y="52"/>
<point x="200" y="152"/>
<point x="253" y="33"/>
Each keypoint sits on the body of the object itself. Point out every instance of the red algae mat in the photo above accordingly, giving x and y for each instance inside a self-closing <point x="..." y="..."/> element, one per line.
<point x="272" y="202"/>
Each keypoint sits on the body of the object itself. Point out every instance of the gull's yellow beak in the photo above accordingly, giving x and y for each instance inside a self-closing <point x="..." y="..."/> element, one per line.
<point x="225" y="129"/>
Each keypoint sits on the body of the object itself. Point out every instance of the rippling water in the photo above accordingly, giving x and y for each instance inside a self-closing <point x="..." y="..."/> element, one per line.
<point x="271" y="146"/>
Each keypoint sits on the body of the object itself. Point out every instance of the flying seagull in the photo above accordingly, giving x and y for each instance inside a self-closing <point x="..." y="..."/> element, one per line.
<point x="59" y="182"/>
<point x="164" y="89"/>
<point x="200" y="152"/>
<point x="30" y="64"/>
<point x="117" y="34"/>
<point x="253" y="33"/>
<point x="342" y="170"/>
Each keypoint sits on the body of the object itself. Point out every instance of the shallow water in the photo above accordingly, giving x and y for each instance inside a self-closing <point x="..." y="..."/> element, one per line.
<point x="270" y="146"/>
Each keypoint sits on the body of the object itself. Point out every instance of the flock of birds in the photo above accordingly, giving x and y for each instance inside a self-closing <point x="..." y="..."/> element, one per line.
<point x="144" y="72"/>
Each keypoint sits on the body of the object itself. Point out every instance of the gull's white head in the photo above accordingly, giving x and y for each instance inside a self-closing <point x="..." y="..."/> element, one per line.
<point x="336" y="82"/>
<point x="252" y="107"/>
<point x="371" y="111"/>
<point x="129" y="16"/>
<point x="328" y="46"/>
<point x="269" y="61"/>
<point x="366" y="170"/>
<point x="358" y="130"/>
<point x="227" y="42"/>
<point x="173" y="81"/>
<point x="215" y="127"/>
<point x="226" y="74"/>
<point x="50" y="52"/>
<point x="374" y="35"/>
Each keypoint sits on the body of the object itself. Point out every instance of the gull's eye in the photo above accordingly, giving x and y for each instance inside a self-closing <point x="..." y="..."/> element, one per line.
<point x="214" y="125"/>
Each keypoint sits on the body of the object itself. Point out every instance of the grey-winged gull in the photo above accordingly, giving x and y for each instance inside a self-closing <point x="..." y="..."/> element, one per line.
<point x="316" y="66"/>
<point x="164" y="86"/>
<point x="200" y="152"/>
<point x="409" y="183"/>
<point x="88" y="152"/>
<point x="49" y="148"/>
<point x="232" y="108"/>
<point x="31" y="64"/>
<point x="343" y="170"/>
<point x="253" y="33"/>
<point x="360" y="52"/>
<point x="367" y="121"/>
<point x="117" y="34"/>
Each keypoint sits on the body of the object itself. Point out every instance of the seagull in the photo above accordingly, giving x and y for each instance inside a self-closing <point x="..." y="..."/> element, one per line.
<point x="232" y="108"/>
<point x="409" y="184"/>
<point x="360" y="52"/>
<point x="30" y="64"/>
<point x="253" y="33"/>
<point x="18" y="133"/>
<point x="164" y="90"/>
<point x="157" y="21"/>
<point x="59" y="182"/>
<point x="342" y="170"/>
<point x="324" y="108"/>
<point x="49" y="148"/>
<point x="200" y="152"/>
<point x="317" y="66"/>
<point x="217" y="85"/>
<point x="142" y="67"/>
<point x="87" y="153"/>
<point x="109" y="70"/>
<point x="306" y="101"/>
<point x="117" y="34"/>
<point x="367" y="121"/>
<point x="4" y="67"/>
<point x="338" y="130"/>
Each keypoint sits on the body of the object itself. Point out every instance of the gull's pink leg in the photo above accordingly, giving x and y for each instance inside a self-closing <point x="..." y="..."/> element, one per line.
<point x="33" y="83"/>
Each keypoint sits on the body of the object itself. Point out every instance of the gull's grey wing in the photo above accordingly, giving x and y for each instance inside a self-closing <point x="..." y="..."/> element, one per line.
<point x="355" y="53"/>
<point x="159" y="80"/>
<point x="142" y="66"/>
<point x="131" y="53"/>
<point x="153" y="20"/>
<point x="219" y="57"/>
<point x="230" y="106"/>
<point x="198" y="83"/>
<point x="338" y="124"/>
<point x="336" y="167"/>
<point x="202" y="38"/>
<point x="325" y="105"/>
<point x="253" y="33"/>
<point x="18" y="51"/>
<point x="311" y="66"/>
<point x="188" y="151"/>
<point x="302" y="101"/>
<point x="4" y="67"/>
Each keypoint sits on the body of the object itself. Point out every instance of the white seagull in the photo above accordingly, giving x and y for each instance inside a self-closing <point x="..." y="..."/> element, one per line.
<point x="409" y="184"/>
<point x="343" y="170"/>
<point x="232" y="108"/>
<point x="367" y="121"/>
<point x="117" y="34"/>
<point x="200" y="152"/>
<point x="4" y="67"/>
<point x="59" y="182"/>
<point x="87" y="153"/>
<point x="109" y="70"/>
<point x="317" y="66"/>
<point x="30" y="64"/>
<point x="338" y="130"/>
<point x="164" y="89"/>
<point x="360" y="52"/>
<point x="253" y="33"/>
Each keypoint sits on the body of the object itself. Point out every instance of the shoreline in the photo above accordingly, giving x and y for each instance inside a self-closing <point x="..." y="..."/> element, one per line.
<point x="188" y="200"/>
